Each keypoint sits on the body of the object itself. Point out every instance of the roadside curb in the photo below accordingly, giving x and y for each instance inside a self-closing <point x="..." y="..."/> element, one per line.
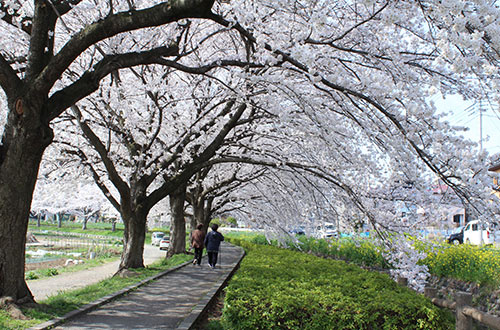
<point x="99" y="302"/>
<point x="202" y="306"/>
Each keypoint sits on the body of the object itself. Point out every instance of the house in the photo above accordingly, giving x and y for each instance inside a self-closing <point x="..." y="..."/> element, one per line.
<point x="496" y="183"/>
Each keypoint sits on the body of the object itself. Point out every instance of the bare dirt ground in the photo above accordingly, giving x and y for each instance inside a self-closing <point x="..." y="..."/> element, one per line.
<point x="45" y="264"/>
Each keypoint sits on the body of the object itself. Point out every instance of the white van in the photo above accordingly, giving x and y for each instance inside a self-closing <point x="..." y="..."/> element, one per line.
<point x="327" y="230"/>
<point x="477" y="233"/>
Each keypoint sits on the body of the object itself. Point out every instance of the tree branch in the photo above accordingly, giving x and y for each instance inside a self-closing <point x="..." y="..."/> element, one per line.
<point x="89" y="81"/>
<point x="205" y="68"/>
<point x="166" y="12"/>
<point x="200" y="161"/>
<point x="9" y="81"/>
<point x="95" y="176"/>
<point x="114" y="176"/>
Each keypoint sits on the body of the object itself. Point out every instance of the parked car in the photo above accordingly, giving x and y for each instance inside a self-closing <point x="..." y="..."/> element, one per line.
<point x="327" y="230"/>
<point x="457" y="237"/>
<point x="156" y="237"/>
<point x="477" y="233"/>
<point x="164" y="243"/>
<point x="297" y="231"/>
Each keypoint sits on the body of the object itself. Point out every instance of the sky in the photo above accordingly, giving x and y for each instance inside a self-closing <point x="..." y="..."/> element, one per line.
<point x="466" y="113"/>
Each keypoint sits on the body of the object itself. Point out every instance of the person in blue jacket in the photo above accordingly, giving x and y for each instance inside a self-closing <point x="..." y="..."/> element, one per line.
<point x="212" y="244"/>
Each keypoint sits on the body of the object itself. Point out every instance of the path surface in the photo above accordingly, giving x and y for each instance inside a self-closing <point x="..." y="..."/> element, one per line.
<point x="171" y="302"/>
<point x="49" y="286"/>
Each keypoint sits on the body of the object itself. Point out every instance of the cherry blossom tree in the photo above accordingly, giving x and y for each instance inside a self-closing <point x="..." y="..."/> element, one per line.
<point x="347" y="81"/>
<point x="213" y="190"/>
<point x="40" y="42"/>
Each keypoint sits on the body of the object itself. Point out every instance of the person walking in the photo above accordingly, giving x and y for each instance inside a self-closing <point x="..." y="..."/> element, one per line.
<point x="212" y="242"/>
<point x="197" y="243"/>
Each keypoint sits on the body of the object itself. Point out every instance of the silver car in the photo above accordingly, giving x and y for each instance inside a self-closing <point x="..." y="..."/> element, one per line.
<point x="156" y="238"/>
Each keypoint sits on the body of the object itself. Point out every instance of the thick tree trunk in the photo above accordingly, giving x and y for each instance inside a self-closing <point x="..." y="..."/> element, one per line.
<point x="133" y="240"/>
<point x="178" y="223"/>
<point x="59" y="218"/>
<point x="199" y="215"/>
<point x="207" y="213"/>
<point x="23" y="143"/>
<point x="192" y="224"/>
<point x="84" y="223"/>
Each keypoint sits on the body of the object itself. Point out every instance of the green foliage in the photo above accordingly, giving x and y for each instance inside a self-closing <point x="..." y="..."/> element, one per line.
<point x="282" y="289"/>
<point x="31" y="275"/>
<point x="214" y="325"/>
<point x="225" y="222"/>
<point x="232" y="221"/>
<point x="50" y="272"/>
<point x="216" y="221"/>
<point x="6" y="322"/>
<point x="40" y="273"/>
<point x="363" y="253"/>
<point x="464" y="262"/>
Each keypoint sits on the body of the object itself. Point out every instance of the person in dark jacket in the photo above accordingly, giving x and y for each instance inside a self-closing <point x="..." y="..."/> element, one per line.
<point x="197" y="243"/>
<point x="212" y="242"/>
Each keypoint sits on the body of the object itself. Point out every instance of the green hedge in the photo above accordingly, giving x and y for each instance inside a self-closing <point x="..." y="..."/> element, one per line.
<point x="362" y="252"/>
<point x="282" y="289"/>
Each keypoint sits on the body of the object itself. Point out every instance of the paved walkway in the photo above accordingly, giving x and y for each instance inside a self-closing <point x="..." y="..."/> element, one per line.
<point x="173" y="301"/>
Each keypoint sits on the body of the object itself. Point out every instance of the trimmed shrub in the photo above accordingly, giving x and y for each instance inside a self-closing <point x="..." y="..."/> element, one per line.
<point x="282" y="289"/>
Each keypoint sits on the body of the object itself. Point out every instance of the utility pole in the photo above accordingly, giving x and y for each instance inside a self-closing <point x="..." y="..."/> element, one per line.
<point x="480" y="125"/>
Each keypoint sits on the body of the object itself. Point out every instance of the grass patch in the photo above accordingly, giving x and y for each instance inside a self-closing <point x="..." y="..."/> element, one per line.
<point x="48" y="272"/>
<point x="361" y="252"/>
<point x="62" y="303"/>
<point x="103" y="229"/>
<point x="282" y="289"/>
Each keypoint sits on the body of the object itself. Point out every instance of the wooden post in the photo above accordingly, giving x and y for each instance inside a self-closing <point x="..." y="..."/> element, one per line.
<point x="463" y="299"/>
<point x="403" y="281"/>
<point x="430" y="292"/>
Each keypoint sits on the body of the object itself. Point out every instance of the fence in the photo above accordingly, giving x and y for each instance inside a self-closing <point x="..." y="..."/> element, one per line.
<point x="59" y="242"/>
<point x="75" y="242"/>
<point x="464" y="313"/>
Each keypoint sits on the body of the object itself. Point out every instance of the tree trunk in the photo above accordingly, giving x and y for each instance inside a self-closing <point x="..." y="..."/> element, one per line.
<point x="207" y="213"/>
<point x="38" y="220"/>
<point x="59" y="217"/>
<point x="23" y="143"/>
<point x="178" y="224"/>
<point x="84" y="223"/>
<point x="134" y="236"/>
<point x="199" y="214"/>
<point x="193" y="223"/>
